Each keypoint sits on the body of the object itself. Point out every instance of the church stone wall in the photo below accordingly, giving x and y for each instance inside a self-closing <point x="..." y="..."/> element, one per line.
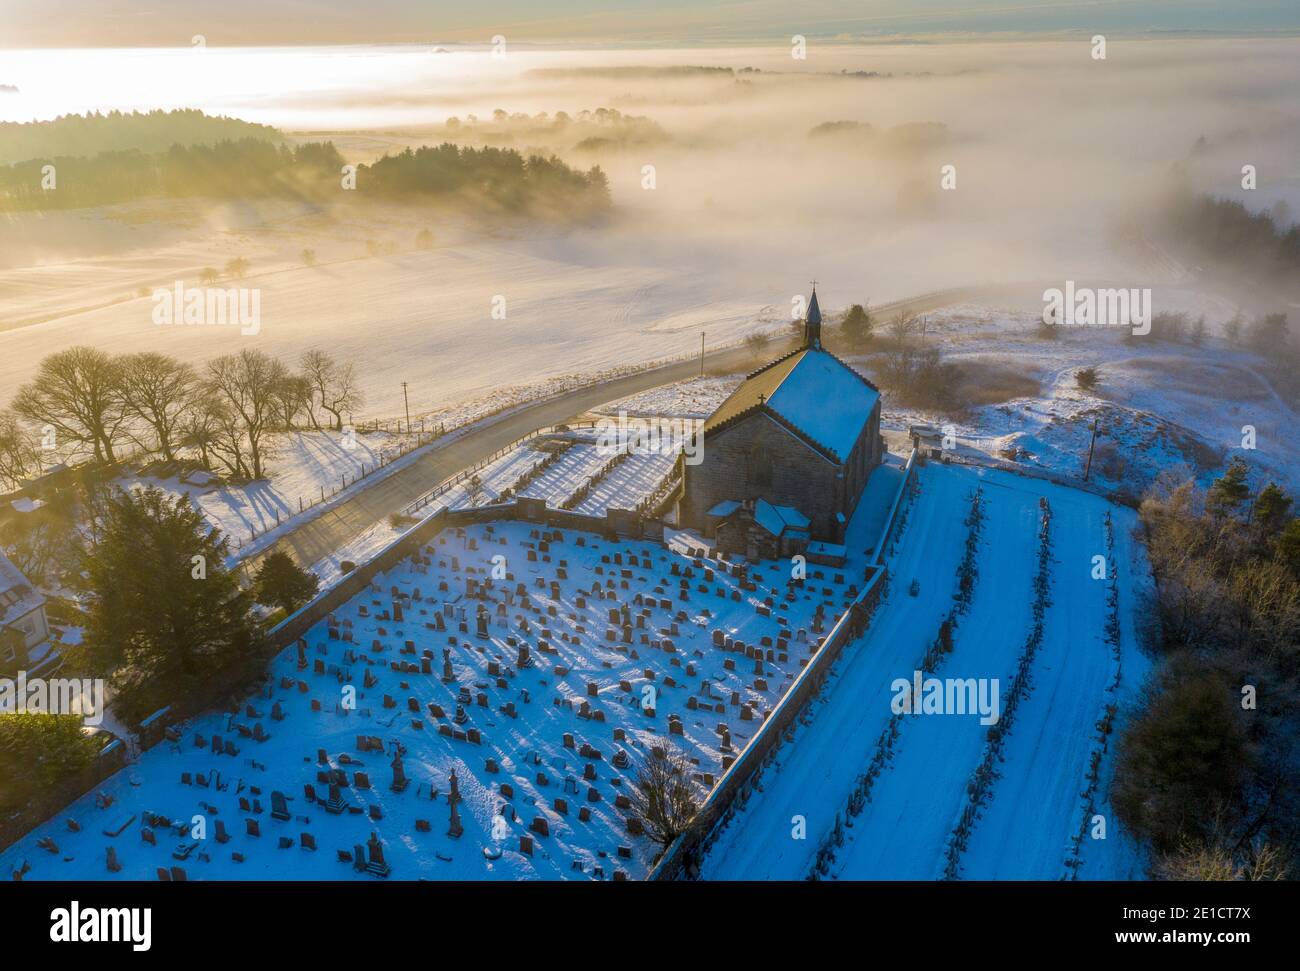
<point x="801" y="477"/>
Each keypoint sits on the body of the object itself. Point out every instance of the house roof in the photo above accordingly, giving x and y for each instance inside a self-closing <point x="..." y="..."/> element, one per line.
<point x="812" y="392"/>
<point x="18" y="597"/>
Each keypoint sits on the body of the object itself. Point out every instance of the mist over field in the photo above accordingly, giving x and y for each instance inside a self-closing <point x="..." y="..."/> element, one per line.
<point x="767" y="172"/>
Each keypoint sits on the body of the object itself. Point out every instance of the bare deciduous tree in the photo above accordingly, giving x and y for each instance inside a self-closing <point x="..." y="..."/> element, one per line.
<point x="158" y="390"/>
<point x="662" y="795"/>
<point x="293" y="396"/>
<point x="18" y="458"/>
<point x="902" y="327"/>
<point x="247" y="382"/>
<point x="79" y="393"/>
<point x="200" y="429"/>
<point x="334" y="386"/>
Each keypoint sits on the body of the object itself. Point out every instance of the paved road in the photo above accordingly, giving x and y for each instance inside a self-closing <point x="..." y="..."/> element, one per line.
<point x="318" y="537"/>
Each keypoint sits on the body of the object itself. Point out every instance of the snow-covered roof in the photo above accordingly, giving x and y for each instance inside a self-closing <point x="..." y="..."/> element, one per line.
<point x="18" y="597"/>
<point x="777" y="519"/>
<point x="811" y="390"/>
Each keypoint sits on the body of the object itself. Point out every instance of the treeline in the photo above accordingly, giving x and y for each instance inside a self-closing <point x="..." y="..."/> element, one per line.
<point x="117" y="131"/>
<point x="632" y="72"/>
<point x="89" y="402"/>
<point x="241" y="169"/>
<point x="500" y="176"/>
<point x="1263" y="334"/>
<point x="250" y="168"/>
<point x="1208" y="773"/>
<point x="587" y="130"/>
<point x="1226" y="232"/>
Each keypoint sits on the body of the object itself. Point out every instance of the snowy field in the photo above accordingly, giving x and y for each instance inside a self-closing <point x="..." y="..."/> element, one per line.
<point x="589" y="678"/>
<point x="424" y="317"/>
<point x="1024" y="830"/>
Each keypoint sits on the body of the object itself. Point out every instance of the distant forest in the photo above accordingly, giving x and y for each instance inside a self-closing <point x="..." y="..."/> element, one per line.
<point x="1260" y="247"/>
<point x="240" y="169"/>
<point x="252" y="168"/>
<point x="116" y="131"/>
<point x="500" y="176"/>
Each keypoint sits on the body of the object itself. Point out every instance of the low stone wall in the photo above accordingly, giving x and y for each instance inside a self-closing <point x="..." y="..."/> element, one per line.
<point x="900" y="501"/>
<point x="51" y="803"/>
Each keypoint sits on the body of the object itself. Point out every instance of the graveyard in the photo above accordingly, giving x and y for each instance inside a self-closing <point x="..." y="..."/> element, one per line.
<point x="479" y="712"/>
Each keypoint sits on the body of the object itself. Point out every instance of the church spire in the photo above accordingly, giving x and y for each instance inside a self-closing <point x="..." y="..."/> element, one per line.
<point x="812" y="327"/>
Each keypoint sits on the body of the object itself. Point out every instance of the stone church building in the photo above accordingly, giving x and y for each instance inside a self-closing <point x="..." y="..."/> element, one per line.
<point x="786" y="456"/>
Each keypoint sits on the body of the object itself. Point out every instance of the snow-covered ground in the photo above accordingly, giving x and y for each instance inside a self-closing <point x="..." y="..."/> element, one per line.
<point x="696" y="398"/>
<point x="423" y="317"/>
<point x="1024" y="831"/>
<point x="674" y="604"/>
<point x="629" y="483"/>
<point x="578" y="464"/>
<point x="1158" y="405"/>
<point x="303" y="468"/>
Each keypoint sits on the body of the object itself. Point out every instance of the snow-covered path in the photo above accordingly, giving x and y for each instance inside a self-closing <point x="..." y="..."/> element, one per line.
<point x="1024" y="831"/>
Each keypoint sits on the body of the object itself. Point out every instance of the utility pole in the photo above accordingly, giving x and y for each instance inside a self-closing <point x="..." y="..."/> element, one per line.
<point x="408" y="406"/>
<point x="701" y="353"/>
<point x="1088" y="468"/>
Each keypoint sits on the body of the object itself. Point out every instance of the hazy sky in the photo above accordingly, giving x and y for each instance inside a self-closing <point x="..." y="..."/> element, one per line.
<point x="150" y="23"/>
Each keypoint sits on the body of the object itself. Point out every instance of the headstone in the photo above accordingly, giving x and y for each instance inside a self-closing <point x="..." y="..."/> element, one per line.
<point x="375" y="863"/>
<point x="279" y="806"/>
<point x="400" y="782"/>
<point x="454" y="827"/>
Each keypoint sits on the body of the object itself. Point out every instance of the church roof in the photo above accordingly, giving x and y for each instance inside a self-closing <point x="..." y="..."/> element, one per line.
<point x="812" y="392"/>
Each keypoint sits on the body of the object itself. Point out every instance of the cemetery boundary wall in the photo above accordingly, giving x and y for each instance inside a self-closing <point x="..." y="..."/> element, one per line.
<point x="64" y="794"/>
